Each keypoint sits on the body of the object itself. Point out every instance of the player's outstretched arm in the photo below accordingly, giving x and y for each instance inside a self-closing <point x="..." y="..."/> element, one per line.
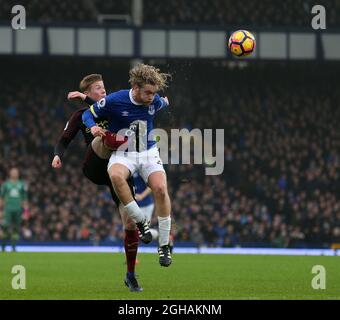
<point x="70" y="131"/>
<point x="73" y="95"/>
<point x="101" y="108"/>
<point x="88" y="120"/>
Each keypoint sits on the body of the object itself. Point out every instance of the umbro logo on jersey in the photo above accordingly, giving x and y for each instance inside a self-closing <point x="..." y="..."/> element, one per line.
<point x="125" y="113"/>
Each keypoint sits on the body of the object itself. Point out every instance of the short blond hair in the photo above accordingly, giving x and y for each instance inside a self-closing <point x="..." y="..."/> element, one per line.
<point x="86" y="83"/>
<point x="143" y="74"/>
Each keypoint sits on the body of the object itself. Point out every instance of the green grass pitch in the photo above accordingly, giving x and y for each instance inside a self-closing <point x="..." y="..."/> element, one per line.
<point x="81" y="276"/>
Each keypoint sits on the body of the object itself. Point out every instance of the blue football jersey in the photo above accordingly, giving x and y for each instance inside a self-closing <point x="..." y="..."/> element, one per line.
<point x="126" y="116"/>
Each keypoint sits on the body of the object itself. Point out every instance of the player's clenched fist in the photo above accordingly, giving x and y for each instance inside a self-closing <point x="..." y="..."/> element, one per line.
<point x="166" y="100"/>
<point x="56" y="163"/>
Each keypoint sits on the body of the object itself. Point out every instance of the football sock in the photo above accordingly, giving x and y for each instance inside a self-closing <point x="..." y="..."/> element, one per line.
<point x="131" y="246"/>
<point x="154" y="234"/>
<point x="164" y="226"/>
<point x="134" y="211"/>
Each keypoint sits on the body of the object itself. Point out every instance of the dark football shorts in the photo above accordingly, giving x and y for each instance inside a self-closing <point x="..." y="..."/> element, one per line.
<point x="95" y="169"/>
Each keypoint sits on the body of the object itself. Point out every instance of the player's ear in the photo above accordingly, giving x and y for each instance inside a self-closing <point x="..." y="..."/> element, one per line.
<point x="136" y="88"/>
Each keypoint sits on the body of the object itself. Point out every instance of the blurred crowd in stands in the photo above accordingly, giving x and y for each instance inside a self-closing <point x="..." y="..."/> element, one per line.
<point x="281" y="179"/>
<point x="282" y="156"/>
<point x="255" y="13"/>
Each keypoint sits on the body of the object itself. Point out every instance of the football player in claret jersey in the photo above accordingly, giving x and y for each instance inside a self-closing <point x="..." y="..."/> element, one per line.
<point x="95" y="163"/>
<point x="13" y="201"/>
<point x="131" y="112"/>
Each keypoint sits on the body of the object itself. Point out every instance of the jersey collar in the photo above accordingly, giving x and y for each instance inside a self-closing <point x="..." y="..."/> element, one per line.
<point x="133" y="100"/>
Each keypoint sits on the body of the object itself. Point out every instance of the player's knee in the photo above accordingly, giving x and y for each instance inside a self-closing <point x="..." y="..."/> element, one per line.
<point x="116" y="177"/>
<point x="160" y="190"/>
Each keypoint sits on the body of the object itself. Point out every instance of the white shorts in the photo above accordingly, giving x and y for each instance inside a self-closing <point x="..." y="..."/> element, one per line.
<point x="145" y="162"/>
<point x="148" y="211"/>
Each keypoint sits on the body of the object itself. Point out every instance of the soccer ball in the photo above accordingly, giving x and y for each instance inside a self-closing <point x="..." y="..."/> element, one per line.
<point x="241" y="43"/>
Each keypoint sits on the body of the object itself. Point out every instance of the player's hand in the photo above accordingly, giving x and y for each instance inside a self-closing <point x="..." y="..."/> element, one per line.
<point x="166" y="100"/>
<point x="76" y="95"/>
<point x="138" y="197"/>
<point x="56" y="163"/>
<point x="98" y="131"/>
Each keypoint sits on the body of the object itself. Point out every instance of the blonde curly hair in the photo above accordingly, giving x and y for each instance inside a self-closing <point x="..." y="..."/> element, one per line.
<point x="143" y="74"/>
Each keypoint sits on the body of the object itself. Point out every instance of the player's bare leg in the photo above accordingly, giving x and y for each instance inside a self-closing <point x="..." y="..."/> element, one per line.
<point x="157" y="183"/>
<point x="100" y="149"/>
<point x="118" y="174"/>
